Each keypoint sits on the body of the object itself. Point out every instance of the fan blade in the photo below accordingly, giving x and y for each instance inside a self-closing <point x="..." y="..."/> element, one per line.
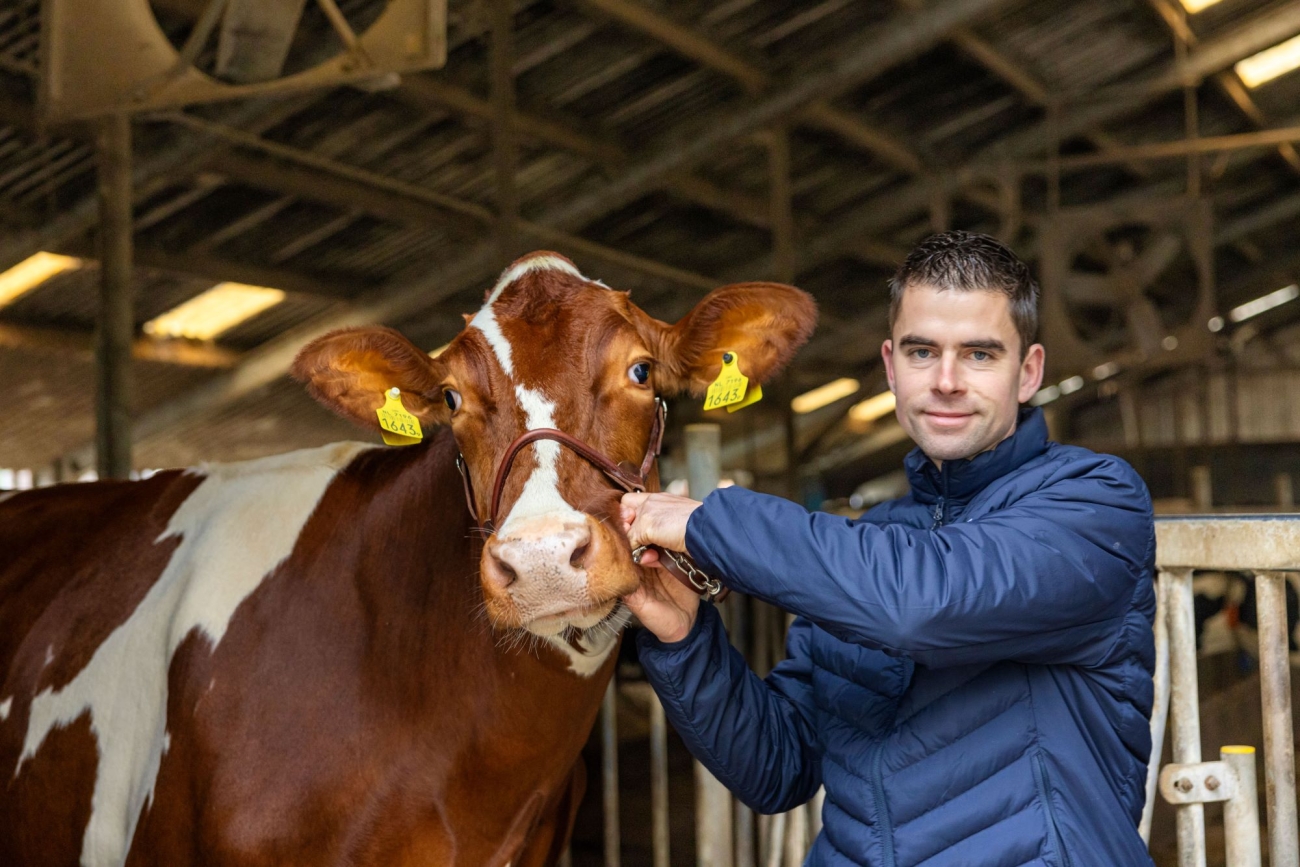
<point x="1144" y="326"/>
<point x="1144" y="270"/>
<point x="255" y="38"/>
<point x="1096" y="289"/>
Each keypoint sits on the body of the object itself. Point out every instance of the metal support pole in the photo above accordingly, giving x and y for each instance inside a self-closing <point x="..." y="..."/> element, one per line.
<point x="658" y="783"/>
<point x="116" y="324"/>
<point x="1160" y="710"/>
<point x="713" y="810"/>
<point x="1241" y="811"/>
<point x="1185" y="709"/>
<point x="505" y="148"/>
<point x="609" y="771"/>
<point x="1279" y="746"/>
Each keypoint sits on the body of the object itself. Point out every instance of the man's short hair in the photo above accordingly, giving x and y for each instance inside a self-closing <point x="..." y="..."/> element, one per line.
<point x="966" y="262"/>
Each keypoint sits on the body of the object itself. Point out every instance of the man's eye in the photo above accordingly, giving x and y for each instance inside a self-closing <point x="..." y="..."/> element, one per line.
<point x="979" y="355"/>
<point x="921" y="353"/>
<point x="639" y="372"/>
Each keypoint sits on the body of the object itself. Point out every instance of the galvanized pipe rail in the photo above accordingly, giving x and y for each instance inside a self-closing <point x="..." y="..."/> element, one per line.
<point x="1268" y="546"/>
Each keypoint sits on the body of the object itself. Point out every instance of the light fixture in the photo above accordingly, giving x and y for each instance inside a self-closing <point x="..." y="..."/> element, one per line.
<point x="1269" y="63"/>
<point x="434" y="353"/>
<point x="1045" y="395"/>
<point x="1071" y="385"/>
<point x="1267" y="302"/>
<point x="1215" y="324"/>
<point x="873" y="408"/>
<point x="1105" y="370"/>
<point x="32" y="272"/>
<point x="1194" y="6"/>
<point x="824" y="395"/>
<point x="1170" y="343"/>
<point x="214" y="312"/>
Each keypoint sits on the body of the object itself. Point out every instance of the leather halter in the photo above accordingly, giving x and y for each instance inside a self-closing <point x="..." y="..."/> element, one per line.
<point x="623" y="475"/>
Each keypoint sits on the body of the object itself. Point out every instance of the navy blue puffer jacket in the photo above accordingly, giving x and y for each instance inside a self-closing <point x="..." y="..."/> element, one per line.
<point x="970" y="676"/>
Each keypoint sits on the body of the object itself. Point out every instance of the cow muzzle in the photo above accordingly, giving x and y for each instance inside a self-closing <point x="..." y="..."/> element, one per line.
<point x="547" y="573"/>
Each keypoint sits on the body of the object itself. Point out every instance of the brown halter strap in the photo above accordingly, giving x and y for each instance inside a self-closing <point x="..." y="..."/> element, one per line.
<point x="623" y="475"/>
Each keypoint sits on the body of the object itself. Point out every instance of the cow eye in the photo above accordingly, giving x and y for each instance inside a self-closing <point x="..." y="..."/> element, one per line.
<point x="640" y="372"/>
<point x="452" y="397"/>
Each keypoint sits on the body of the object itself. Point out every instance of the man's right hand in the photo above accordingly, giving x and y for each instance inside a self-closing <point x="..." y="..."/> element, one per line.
<point x="663" y="604"/>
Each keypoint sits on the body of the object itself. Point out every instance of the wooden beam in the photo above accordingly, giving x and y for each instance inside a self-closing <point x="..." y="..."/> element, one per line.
<point x="217" y="270"/>
<point x="80" y="345"/>
<point x="115" y="321"/>
<point x="426" y="91"/>
<point x="505" y="149"/>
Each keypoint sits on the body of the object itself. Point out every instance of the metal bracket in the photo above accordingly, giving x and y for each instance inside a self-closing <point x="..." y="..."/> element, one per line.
<point x="1198" y="783"/>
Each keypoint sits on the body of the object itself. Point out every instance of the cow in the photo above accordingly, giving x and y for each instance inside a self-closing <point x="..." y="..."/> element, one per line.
<point x="321" y="657"/>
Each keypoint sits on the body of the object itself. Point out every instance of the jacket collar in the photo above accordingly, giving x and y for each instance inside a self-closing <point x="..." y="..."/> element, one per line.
<point x="961" y="479"/>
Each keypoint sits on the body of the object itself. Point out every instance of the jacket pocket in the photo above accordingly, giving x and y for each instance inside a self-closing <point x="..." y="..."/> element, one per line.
<point x="1045" y="798"/>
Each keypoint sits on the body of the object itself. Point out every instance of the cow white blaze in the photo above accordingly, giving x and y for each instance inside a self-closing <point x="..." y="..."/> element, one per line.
<point x="240" y="523"/>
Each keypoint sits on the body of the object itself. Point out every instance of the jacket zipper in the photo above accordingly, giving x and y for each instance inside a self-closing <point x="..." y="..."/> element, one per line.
<point x="1045" y="795"/>
<point x="883" y="822"/>
<point x="941" y="505"/>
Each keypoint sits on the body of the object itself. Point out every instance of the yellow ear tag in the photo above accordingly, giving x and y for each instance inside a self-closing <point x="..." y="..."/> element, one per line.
<point x="731" y="388"/>
<point x="398" y="427"/>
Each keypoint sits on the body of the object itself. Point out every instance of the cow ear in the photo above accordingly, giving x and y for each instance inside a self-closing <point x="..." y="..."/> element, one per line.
<point x="763" y="323"/>
<point x="350" y="370"/>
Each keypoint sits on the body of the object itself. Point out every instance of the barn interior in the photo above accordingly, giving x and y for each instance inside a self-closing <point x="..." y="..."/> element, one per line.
<point x="163" y="256"/>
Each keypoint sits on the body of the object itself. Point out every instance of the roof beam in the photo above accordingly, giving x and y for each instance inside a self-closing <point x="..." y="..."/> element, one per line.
<point x="874" y="217"/>
<point x="905" y="36"/>
<point x="690" y="44"/>
<point x="80" y="345"/>
<point x="218" y="270"/>
<point x="424" y="91"/>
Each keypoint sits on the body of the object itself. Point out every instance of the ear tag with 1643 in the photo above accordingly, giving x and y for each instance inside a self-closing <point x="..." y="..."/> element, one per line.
<point x="397" y="426"/>
<point x="731" y="389"/>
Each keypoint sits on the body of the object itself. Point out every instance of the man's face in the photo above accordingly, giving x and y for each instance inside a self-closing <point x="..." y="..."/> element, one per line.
<point x="953" y="362"/>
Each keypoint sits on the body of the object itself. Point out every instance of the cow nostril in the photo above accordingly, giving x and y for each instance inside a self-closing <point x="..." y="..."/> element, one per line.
<point x="579" y="554"/>
<point x="508" y="573"/>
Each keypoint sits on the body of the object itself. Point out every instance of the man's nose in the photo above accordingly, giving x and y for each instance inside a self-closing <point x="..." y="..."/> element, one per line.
<point x="949" y="376"/>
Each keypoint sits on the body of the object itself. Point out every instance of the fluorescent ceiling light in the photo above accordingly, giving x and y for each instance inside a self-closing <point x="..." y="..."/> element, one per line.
<point x="1105" y="370"/>
<point x="32" y="272"/>
<point x="1071" y="385"/>
<point x="1270" y="63"/>
<point x="1045" y="395"/>
<point x="1194" y="6"/>
<point x="1268" y="302"/>
<point x="434" y="353"/>
<point x="214" y="312"/>
<point x="824" y="395"/>
<point x="873" y="408"/>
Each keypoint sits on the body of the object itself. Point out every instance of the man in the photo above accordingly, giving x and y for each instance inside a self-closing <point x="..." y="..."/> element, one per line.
<point x="969" y="674"/>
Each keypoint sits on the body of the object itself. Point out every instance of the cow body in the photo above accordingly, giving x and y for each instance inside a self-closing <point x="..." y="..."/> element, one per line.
<point x="320" y="658"/>
<point x="278" y="662"/>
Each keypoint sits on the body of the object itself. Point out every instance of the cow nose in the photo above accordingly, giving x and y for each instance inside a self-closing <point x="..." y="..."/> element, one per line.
<point x="561" y="551"/>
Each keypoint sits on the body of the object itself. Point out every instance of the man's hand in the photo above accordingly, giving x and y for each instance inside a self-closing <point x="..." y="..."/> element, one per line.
<point x="661" y="603"/>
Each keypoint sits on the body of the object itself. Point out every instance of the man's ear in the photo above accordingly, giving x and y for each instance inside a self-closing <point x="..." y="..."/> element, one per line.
<point x="349" y="371"/>
<point x="763" y="323"/>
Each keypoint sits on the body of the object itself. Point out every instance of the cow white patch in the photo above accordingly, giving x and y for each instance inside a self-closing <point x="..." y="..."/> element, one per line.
<point x="596" y="644"/>
<point x="234" y="528"/>
<point x="528" y="266"/>
<point x="5" y="707"/>
<point x="541" y="493"/>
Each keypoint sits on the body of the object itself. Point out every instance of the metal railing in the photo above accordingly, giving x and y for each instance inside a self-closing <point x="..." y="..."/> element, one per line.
<point x="1267" y="546"/>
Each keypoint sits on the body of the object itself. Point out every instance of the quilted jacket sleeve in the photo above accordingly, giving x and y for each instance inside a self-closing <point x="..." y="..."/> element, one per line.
<point x="755" y="735"/>
<point x="1046" y="578"/>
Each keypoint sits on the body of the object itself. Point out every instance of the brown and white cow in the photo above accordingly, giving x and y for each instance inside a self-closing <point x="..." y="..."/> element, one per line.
<point x="312" y="659"/>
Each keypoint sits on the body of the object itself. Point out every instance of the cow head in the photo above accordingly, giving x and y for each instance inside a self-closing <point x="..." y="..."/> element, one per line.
<point x="552" y="349"/>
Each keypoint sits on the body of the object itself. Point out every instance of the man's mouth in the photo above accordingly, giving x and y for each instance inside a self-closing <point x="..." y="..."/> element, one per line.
<point x="947" y="418"/>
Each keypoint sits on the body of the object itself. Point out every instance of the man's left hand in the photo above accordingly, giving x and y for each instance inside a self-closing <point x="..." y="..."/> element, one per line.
<point x="657" y="519"/>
